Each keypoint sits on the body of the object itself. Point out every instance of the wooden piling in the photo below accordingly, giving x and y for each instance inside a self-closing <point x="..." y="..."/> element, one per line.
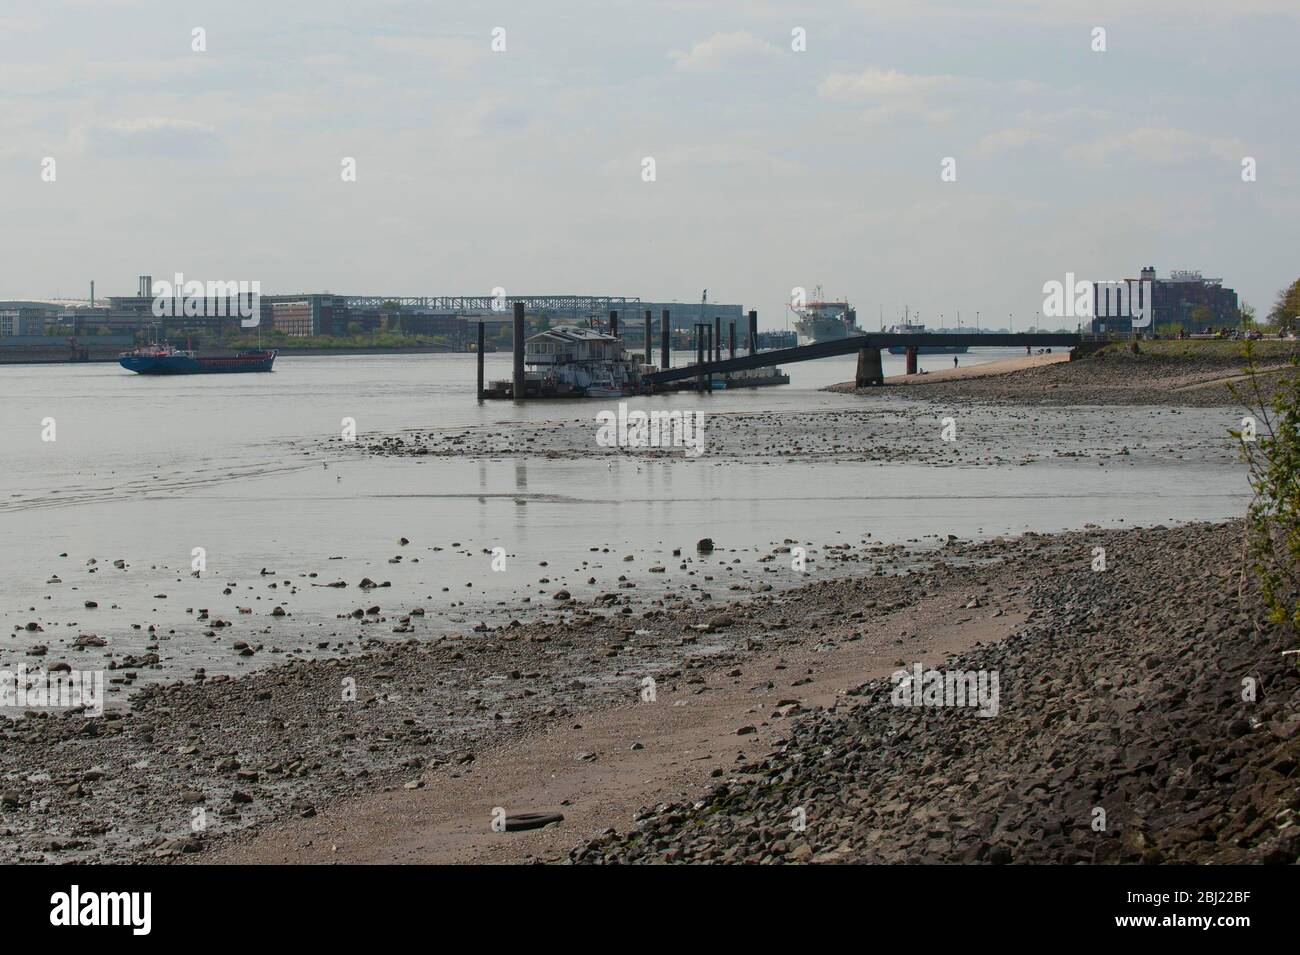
<point x="647" y="360"/>
<point x="753" y="332"/>
<point x="699" y="356"/>
<point x="479" y="358"/>
<point x="708" y="375"/>
<point x="665" y="340"/>
<point x="520" y="385"/>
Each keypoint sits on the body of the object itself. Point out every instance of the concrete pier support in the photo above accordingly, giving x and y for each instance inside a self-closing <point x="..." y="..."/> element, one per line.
<point x="479" y="358"/>
<point x="520" y="387"/>
<point x="731" y="341"/>
<point x="648" y="340"/>
<point x="911" y="359"/>
<point x="870" y="371"/>
<point x="753" y="332"/>
<point x="717" y="338"/>
<point x="665" y="340"/>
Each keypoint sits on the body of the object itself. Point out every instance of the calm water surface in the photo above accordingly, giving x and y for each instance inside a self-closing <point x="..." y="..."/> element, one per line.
<point x="147" y="469"/>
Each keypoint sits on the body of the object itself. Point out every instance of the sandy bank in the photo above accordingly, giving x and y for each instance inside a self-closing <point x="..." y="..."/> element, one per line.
<point x="1171" y="373"/>
<point x="939" y="368"/>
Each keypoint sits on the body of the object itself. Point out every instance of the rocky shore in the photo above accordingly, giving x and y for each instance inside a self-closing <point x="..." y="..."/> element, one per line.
<point x="1122" y="691"/>
<point x="1145" y="716"/>
<point x="1192" y="373"/>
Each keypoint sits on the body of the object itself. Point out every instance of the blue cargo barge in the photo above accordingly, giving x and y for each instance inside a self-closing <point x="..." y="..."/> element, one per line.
<point x="165" y="360"/>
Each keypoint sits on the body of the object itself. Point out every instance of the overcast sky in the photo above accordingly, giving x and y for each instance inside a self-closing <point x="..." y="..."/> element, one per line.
<point x="773" y="168"/>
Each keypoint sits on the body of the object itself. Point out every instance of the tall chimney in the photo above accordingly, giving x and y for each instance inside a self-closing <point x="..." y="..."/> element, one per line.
<point x="92" y="293"/>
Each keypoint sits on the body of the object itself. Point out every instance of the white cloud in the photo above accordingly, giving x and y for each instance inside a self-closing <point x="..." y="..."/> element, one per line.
<point x="892" y="97"/>
<point x="1072" y="114"/>
<point x="696" y="158"/>
<point x="873" y="83"/>
<point x="892" y="114"/>
<point x="1074" y="11"/>
<point x="150" y="136"/>
<point x="447" y="54"/>
<point x="724" y="50"/>
<point x="1160" y="145"/>
<point x="1007" y="140"/>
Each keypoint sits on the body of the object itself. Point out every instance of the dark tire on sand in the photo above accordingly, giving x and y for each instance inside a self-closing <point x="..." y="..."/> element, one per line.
<point x="531" y="820"/>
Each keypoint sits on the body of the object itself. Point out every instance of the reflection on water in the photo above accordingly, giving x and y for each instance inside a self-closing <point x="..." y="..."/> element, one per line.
<point x="148" y="469"/>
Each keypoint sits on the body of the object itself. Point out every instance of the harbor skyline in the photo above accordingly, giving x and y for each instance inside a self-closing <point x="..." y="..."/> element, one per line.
<point x="778" y="161"/>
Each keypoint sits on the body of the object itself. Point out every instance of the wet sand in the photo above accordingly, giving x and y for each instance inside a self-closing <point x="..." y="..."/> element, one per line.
<point x="946" y="372"/>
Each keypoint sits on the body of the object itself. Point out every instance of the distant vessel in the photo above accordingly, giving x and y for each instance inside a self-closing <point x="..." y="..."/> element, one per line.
<point x="822" y="321"/>
<point x="163" y="359"/>
<point x="909" y="329"/>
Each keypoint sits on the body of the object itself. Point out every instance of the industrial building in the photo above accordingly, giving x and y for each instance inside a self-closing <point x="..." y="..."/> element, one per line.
<point x="1185" y="299"/>
<point x="19" y="319"/>
<point x="310" y="314"/>
<point x="302" y="316"/>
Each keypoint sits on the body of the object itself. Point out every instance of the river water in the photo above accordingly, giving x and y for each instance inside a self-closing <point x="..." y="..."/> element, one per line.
<point x="146" y="470"/>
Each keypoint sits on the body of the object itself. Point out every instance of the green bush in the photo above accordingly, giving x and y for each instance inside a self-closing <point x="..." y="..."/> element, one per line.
<point x="1273" y="456"/>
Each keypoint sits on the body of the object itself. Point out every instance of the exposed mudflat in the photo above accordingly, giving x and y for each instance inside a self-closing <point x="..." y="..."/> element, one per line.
<point x="1116" y="689"/>
<point x="885" y="431"/>
<point x="237" y="750"/>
